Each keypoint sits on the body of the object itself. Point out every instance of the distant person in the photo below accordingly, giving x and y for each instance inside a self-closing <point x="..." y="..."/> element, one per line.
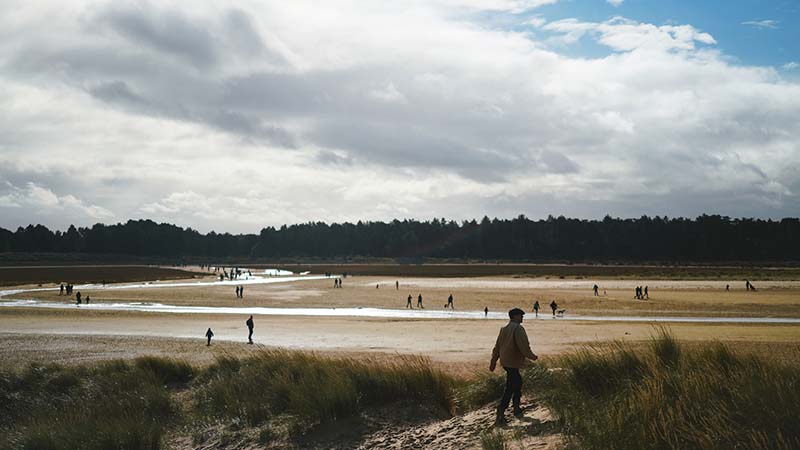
<point x="397" y="285"/>
<point x="747" y="285"/>
<point x="249" y="324"/>
<point x="335" y="283"/>
<point x="237" y="291"/>
<point x="486" y="312"/>
<point x="209" y="335"/>
<point x="241" y="291"/>
<point x="88" y="299"/>
<point x="536" y="308"/>
<point x="554" y="307"/>
<point x="104" y="283"/>
<point x="511" y="348"/>
<point x="596" y="290"/>
<point x="419" y="301"/>
<point x="450" y="302"/>
<point x="78" y="297"/>
<point x="221" y="277"/>
<point x="377" y="286"/>
<point x="408" y="304"/>
<point x="646" y="295"/>
<point x="61" y="290"/>
<point x="727" y="287"/>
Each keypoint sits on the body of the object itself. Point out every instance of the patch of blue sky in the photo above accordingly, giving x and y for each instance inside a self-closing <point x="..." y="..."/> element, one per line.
<point x="749" y="32"/>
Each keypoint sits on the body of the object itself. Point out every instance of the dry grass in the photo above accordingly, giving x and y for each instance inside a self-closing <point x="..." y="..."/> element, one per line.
<point x="668" y="396"/>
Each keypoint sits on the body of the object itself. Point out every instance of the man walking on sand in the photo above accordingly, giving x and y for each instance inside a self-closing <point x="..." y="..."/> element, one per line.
<point x="249" y="324"/>
<point x="209" y="335"/>
<point x="511" y="348"/>
<point x="408" y="304"/>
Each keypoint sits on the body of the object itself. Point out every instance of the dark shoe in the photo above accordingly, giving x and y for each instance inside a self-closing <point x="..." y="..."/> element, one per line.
<point x="500" y="421"/>
<point x="518" y="412"/>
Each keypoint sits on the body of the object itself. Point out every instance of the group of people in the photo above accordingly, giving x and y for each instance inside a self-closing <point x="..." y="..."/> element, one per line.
<point x="79" y="300"/>
<point x="749" y="286"/>
<point x="250" y="325"/>
<point x="641" y="294"/>
<point x="66" y="289"/>
<point x="337" y="283"/>
<point x="240" y="291"/>
<point x="419" y="302"/>
<point x="553" y="306"/>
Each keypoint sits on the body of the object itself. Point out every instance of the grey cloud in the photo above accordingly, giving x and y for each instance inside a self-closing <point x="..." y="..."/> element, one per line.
<point x="168" y="31"/>
<point x="117" y="91"/>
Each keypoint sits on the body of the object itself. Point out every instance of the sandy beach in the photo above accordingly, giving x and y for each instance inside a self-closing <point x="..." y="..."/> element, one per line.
<point x="83" y="333"/>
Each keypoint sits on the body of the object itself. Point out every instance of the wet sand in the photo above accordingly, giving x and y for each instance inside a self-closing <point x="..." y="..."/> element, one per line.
<point x="35" y="333"/>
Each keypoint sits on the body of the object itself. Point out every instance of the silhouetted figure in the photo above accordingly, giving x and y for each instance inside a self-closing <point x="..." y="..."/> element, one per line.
<point x="104" y="283"/>
<point x="78" y="297"/>
<point x="596" y="290"/>
<point x="554" y="307"/>
<point x="377" y="286"/>
<point x="249" y="324"/>
<point x="241" y="291"/>
<point x="397" y="285"/>
<point x="221" y="277"/>
<point x="646" y="295"/>
<point x="209" y="335"/>
<point x="511" y="348"/>
<point x="61" y="291"/>
<point x="237" y="291"/>
<point x="450" y="302"/>
<point x="486" y="312"/>
<point x="88" y="299"/>
<point x="419" y="301"/>
<point x="536" y="308"/>
<point x="727" y="287"/>
<point x="408" y="304"/>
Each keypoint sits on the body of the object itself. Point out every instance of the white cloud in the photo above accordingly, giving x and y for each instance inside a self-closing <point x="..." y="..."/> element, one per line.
<point x="284" y="112"/>
<point x="791" y="65"/>
<point x="615" y="3"/>
<point x="388" y="94"/>
<point x="625" y="35"/>
<point x="41" y="198"/>
<point x="763" y="24"/>
<point x="537" y="21"/>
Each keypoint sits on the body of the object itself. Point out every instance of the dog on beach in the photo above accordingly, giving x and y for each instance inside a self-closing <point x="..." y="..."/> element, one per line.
<point x="560" y="312"/>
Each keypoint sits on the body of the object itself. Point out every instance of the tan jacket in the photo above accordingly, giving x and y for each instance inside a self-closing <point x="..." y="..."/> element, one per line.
<point x="512" y="346"/>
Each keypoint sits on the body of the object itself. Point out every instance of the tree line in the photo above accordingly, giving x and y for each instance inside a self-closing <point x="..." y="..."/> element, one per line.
<point x="705" y="238"/>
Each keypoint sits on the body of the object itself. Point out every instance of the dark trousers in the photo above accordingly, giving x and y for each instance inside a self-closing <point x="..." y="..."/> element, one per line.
<point x="513" y="389"/>
<point x="250" y="336"/>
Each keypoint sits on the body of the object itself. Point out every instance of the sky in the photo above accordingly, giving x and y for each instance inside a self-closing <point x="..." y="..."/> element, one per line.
<point x="233" y="116"/>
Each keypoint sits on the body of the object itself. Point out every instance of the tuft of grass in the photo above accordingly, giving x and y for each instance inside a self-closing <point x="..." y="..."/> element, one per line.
<point x="668" y="397"/>
<point x="167" y="371"/>
<point x="493" y="440"/>
<point x="322" y="389"/>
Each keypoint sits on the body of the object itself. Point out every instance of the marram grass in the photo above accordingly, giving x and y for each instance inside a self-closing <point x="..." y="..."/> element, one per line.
<point x="668" y="397"/>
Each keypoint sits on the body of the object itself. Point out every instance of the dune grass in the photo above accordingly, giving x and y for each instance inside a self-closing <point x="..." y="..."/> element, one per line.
<point x="115" y="405"/>
<point x="668" y="397"/>
<point x="132" y="405"/>
<point x="316" y="388"/>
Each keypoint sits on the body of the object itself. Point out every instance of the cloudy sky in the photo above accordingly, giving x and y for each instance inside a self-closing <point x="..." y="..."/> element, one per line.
<point x="236" y="115"/>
